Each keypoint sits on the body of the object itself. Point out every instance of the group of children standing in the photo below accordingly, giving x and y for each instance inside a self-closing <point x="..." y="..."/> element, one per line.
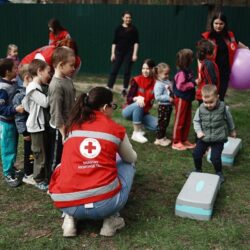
<point x="25" y="108"/>
<point x="180" y="93"/>
<point x="38" y="111"/>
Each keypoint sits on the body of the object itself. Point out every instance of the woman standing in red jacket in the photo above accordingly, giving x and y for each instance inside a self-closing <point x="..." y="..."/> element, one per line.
<point x="225" y="48"/>
<point x="57" y="32"/>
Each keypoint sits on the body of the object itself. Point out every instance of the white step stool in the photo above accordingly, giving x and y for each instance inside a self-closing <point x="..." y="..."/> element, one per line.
<point x="231" y="148"/>
<point x="196" y="199"/>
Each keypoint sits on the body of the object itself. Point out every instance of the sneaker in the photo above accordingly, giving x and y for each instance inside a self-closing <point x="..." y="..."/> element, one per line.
<point x="189" y="145"/>
<point x="178" y="146"/>
<point x="162" y="142"/>
<point x="124" y="93"/>
<point x="222" y="178"/>
<point x="68" y="226"/>
<point x="28" y="179"/>
<point x="142" y="132"/>
<point x="138" y="137"/>
<point x="12" y="182"/>
<point x="111" y="224"/>
<point x="168" y="140"/>
<point x="19" y="174"/>
<point x="42" y="186"/>
<point x="193" y="171"/>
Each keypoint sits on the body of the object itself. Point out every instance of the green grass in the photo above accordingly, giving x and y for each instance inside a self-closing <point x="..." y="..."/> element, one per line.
<point x="28" y="219"/>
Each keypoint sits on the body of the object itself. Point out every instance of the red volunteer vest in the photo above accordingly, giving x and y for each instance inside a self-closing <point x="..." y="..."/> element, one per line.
<point x="198" y="95"/>
<point x="46" y="51"/>
<point x="88" y="172"/>
<point x="54" y="39"/>
<point x="231" y="45"/>
<point x="146" y="89"/>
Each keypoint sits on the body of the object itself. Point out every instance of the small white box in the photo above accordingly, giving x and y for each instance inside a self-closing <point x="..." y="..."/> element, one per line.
<point x="197" y="197"/>
<point x="231" y="148"/>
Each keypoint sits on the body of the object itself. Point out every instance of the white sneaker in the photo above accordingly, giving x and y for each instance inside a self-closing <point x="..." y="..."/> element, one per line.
<point x="68" y="226"/>
<point x="111" y="224"/>
<point x="142" y="132"/>
<point x="162" y="142"/>
<point x="138" y="137"/>
<point x="28" y="179"/>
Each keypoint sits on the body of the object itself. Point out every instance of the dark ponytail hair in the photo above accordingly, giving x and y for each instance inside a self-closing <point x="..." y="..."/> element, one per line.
<point x="86" y="104"/>
<point x="203" y="48"/>
<point x="55" y="25"/>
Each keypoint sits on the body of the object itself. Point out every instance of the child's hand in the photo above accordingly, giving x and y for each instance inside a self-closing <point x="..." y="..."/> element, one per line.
<point x="200" y="134"/>
<point x="233" y="134"/>
<point x="167" y="87"/>
<point x="27" y="138"/>
<point x="20" y="109"/>
<point x="171" y="99"/>
<point x="62" y="131"/>
<point x="198" y="81"/>
<point x="140" y="101"/>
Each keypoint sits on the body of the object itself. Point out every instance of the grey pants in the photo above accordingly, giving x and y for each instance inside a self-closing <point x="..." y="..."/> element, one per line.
<point x="37" y="146"/>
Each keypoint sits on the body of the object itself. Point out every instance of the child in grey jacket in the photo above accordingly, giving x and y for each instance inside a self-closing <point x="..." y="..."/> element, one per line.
<point x="212" y="124"/>
<point x="164" y="95"/>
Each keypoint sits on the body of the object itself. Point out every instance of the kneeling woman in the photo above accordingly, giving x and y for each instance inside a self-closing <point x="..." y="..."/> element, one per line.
<point x="90" y="183"/>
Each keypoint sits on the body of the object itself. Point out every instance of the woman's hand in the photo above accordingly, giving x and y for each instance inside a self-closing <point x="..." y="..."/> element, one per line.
<point x="134" y="58"/>
<point x="112" y="58"/>
<point x="139" y="100"/>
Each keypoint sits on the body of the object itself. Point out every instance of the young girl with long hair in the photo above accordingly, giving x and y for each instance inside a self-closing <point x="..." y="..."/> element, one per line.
<point x="184" y="94"/>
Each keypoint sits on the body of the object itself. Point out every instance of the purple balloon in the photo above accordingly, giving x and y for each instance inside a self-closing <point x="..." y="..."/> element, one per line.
<point x="240" y="71"/>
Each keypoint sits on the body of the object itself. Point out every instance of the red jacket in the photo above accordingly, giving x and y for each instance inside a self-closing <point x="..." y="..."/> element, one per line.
<point x="54" y="39"/>
<point x="146" y="89"/>
<point x="47" y="52"/>
<point x="231" y="45"/>
<point x="207" y="78"/>
<point x="88" y="172"/>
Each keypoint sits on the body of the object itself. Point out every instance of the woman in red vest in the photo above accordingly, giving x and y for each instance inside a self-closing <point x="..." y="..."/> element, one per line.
<point x="92" y="181"/>
<point x="140" y="100"/>
<point x="57" y="32"/>
<point x="225" y="47"/>
<point x="45" y="54"/>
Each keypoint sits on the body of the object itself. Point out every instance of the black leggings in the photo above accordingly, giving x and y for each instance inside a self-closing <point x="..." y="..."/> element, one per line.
<point x="164" y="114"/>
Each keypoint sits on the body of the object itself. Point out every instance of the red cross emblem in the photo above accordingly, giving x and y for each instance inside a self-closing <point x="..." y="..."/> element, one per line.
<point x="90" y="147"/>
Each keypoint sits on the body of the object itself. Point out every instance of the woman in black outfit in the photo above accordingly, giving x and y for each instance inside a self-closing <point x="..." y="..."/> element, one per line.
<point x="124" y="50"/>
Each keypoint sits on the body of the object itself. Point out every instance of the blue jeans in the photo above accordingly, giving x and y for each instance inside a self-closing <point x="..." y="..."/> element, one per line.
<point x="136" y="114"/>
<point x="108" y="207"/>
